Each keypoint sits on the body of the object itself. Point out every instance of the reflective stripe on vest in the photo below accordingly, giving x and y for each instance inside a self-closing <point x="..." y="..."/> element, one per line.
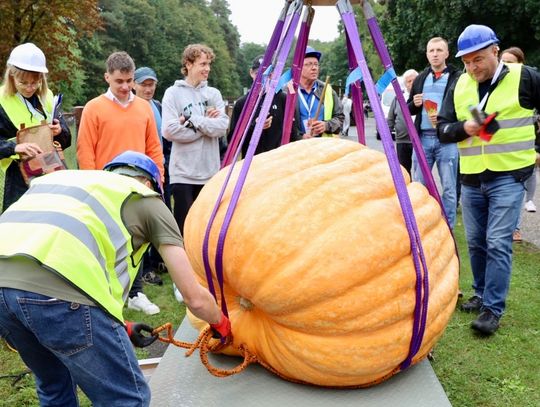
<point x="328" y="107"/>
<point x="512" y="146"/>
<point x="72" y="224"/>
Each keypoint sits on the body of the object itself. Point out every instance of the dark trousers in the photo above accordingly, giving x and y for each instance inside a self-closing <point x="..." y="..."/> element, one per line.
<point x="183" y="195"/>
<point x="404" y="153"/>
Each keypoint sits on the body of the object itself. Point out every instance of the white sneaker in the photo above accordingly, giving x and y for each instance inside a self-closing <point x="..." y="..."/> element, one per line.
<point x="142" y="303"/>
<point x="177" y="294"/>
<point x="530" y="206"/>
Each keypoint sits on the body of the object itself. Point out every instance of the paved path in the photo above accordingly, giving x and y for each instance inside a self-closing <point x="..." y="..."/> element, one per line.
<point x="530" y="223"/>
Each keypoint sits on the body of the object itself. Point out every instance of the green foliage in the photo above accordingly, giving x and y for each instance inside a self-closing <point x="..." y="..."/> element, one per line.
<point x="155" y="33"/>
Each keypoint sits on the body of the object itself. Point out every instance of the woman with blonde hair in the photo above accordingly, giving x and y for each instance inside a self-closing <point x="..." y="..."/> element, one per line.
<point x="25" y="99"/>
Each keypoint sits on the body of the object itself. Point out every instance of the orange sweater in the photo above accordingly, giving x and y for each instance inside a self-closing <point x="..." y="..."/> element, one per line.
<point x="108" y="129"/>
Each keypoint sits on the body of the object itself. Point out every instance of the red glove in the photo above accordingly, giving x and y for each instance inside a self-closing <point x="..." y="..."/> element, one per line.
<point x="134" y="331"/>
<point x="223" y="328"/>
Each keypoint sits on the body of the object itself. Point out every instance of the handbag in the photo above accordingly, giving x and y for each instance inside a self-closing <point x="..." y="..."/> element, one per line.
<point x="52" y="157"/>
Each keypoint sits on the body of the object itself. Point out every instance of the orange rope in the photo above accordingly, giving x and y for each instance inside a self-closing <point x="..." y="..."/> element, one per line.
<point x="203" y="344"/>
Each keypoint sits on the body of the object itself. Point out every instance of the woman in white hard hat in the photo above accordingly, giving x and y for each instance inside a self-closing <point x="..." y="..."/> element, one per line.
<point x="25" y="99"/>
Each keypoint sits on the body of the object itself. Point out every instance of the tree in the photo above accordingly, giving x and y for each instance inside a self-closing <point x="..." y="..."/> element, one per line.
<point x="55" y="26"/>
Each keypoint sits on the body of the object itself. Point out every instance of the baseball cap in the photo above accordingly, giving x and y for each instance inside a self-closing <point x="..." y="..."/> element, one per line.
<point x="312" y="52"/>
<point x="144" y="73"/>
<point x="257" y="62"/>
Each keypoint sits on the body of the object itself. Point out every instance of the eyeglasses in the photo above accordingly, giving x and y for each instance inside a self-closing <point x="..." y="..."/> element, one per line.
<point x="311" y="65"/>
<point x="27" y="85"/>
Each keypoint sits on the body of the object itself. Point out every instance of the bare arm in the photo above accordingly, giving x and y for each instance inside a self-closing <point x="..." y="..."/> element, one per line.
<point x="197" y="298"/>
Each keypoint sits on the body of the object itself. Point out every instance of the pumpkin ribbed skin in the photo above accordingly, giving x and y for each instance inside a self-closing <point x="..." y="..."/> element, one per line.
<point x="319" y="279"/>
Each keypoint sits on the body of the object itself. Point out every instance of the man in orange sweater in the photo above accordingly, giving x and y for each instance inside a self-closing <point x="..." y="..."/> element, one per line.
<point x="113" y="123"/>
<point x="117" y="121"/>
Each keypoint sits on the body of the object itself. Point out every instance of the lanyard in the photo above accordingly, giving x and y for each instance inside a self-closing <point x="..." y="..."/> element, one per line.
<point x="304" y="102"/>
<point x="483" y="102"/>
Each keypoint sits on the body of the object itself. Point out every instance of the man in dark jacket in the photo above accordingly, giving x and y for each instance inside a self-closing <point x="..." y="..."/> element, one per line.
<point x="273" y="124"/>
<point x="425" y="99"/>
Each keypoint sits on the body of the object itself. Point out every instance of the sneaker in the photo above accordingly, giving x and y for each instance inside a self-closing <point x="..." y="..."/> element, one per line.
<point x="472" y="305"/>
<point x="486" y="323"/>
<point x="141" y="303"/>
<point x="152" y="278"/>
<point x="177" y="294"/>
<point x="530" y="206"/>
<point x="516" y="236"/>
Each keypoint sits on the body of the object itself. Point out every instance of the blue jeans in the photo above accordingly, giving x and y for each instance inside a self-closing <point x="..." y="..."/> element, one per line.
<point x="490" y="214"/>
<point x="446" y="157"/>
<point x="68" y="344"/>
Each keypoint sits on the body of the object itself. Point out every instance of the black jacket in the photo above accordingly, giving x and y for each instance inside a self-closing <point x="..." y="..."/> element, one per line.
<point x="418" y="87"/>
<point x="271" y="137"/>
<point x="450" y="130"/>
<point x="14" y="183"/>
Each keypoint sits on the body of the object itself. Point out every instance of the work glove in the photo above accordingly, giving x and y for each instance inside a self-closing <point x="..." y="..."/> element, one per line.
<point x="222" y="329"/>
<point x="135" y="333"/>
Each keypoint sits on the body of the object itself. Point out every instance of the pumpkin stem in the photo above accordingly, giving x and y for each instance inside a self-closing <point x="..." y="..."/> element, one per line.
<point x="246" y="304"/>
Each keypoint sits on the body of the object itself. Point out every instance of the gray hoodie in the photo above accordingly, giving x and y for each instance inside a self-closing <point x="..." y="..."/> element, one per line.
<point x="195" y="149"/>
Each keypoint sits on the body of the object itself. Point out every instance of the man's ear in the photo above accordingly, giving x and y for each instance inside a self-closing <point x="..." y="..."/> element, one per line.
<point x="149" y="184"/>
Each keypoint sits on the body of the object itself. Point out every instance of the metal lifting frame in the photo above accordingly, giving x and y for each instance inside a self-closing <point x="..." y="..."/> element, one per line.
<point x="261" y="94"/>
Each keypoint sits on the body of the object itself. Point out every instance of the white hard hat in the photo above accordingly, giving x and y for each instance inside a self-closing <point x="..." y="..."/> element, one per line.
<point x="28" y="57"/>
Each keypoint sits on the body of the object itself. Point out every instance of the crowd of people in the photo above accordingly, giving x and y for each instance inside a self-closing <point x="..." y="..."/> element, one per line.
<point x="98" y="236"/>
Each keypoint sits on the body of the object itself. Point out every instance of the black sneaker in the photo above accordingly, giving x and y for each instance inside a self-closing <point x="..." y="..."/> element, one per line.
<point x="474" y="304"/>
<point x="486" y="323"/>
<point x="152" y="278"/>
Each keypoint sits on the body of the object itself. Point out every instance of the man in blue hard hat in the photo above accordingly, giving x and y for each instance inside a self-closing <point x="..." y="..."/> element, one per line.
<point x="490" y="114"/>
<point x="329" y="120"/>
<point x="66" y="270"/>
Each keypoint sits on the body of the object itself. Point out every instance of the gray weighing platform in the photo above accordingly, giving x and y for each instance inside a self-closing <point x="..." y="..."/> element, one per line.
<point x="184" y="382"/>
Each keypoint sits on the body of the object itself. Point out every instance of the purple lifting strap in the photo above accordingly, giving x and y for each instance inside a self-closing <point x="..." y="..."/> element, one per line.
<point x="272" y="80"/>
<point x="422" y="283"/>
<point x="356" y="96"/>
<point x="249" y="106"/>
<point x="384" y="55"/>
<point x="296" y="69"/>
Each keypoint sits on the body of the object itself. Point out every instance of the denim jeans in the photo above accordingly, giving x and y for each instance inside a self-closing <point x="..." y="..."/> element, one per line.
<point x="68" y="344"/>
<point x="446" y="157"/>
<point x="490" y="214"/>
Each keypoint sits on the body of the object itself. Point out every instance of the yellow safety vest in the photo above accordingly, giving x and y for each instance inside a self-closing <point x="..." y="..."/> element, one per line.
<point x="328" y="107"/>
<point x="512" y="146"/>
<point x="71" y="222"/>
<point x="18" y="114"/>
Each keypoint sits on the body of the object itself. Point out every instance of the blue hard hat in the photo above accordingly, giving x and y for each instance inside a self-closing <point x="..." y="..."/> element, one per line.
<point x="312" y="52"/>
<point x="133" y="163"/>
<point x="475" y="37"/>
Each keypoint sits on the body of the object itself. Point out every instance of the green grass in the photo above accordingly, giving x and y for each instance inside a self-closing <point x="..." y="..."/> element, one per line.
<point x="500" y="370"/>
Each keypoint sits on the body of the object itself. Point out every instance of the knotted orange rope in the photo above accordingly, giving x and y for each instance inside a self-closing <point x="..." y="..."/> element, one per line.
<point x="203" y="343"/>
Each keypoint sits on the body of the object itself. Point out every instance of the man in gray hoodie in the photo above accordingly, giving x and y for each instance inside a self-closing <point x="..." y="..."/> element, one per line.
<point x="194" y="119"/>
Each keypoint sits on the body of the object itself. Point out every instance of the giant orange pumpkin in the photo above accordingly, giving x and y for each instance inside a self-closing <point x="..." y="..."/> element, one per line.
<point x="319" y="278"/>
